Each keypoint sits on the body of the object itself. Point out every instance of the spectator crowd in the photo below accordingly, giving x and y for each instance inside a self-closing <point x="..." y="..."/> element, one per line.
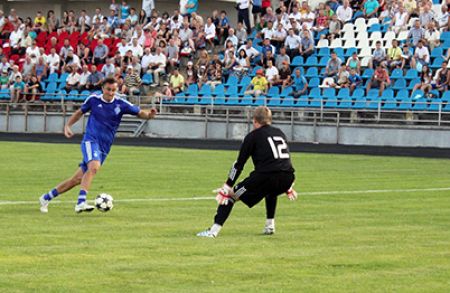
<point x="183" y="48"/>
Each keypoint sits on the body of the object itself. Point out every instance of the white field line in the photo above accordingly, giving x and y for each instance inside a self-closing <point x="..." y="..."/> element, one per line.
<point x="369" y="191"/>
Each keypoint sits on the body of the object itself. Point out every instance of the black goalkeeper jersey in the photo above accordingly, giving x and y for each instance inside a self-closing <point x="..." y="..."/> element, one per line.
<point x="269" y="151"/>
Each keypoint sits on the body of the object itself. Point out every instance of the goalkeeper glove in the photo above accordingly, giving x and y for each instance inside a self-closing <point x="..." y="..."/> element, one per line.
<point x="291" y="193"/>
<point x="223" y="196"/>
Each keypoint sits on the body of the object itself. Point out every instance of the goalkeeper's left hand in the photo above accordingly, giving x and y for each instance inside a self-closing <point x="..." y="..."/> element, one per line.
<point x="223" y="196"/>
<point x="291" y="193"/>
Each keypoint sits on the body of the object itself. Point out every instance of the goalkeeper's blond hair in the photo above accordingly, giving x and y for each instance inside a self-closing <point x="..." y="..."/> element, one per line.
<point x="263" y="115"/>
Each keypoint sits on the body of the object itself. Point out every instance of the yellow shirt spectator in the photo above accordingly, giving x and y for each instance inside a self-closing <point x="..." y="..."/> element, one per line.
<point x="177" y="81"/>
<point x="259" y="83"/>
<point x="40" y="20"/>
<point x="395" y="53"/>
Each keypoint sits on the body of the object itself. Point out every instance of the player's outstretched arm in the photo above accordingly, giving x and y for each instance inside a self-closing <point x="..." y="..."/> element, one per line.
<point x="147" y="114"/>
<point x="72" y="120"/>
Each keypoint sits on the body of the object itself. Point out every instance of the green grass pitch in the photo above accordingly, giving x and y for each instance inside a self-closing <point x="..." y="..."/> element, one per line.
<point x="393" y="241"/>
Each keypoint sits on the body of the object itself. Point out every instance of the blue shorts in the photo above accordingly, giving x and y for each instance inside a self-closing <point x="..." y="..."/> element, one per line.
<point x="91" y="152"/>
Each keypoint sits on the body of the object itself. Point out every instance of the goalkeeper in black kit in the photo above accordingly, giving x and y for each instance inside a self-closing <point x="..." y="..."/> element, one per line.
<point x="273" y="174"/>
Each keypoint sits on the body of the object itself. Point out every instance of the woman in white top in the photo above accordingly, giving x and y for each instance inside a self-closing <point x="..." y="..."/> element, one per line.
<point x="242" y="63"/>
<point x="210" y="31"/>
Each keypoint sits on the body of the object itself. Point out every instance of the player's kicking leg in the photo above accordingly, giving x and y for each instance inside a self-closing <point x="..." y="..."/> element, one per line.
<point x="64" y="186"/>
<point x="86" y="181"/>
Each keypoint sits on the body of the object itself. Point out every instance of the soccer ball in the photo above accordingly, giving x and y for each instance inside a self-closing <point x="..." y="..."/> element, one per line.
<point x="104" y="202"/>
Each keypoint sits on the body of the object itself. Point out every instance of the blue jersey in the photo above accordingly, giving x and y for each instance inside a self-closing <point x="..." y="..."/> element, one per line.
<point x="105" y="119"/>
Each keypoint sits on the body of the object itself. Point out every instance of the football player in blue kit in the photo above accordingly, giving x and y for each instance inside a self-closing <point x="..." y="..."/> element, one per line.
<point x="106" y="111"/>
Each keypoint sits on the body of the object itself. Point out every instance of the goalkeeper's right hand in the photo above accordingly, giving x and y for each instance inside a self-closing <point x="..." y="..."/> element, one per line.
<point x="291" y="193"/>
<point x="223" y="194"/>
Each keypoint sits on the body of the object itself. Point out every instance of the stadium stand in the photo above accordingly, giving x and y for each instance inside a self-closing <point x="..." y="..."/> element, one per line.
<point x="371" y="54"/>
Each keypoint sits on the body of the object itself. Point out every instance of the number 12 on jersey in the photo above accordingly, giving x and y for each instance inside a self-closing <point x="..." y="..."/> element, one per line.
<point x="278" y="145"/>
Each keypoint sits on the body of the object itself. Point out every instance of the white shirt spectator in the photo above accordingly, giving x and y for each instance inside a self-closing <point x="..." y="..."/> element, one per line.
<point x="108" y="70"/>
<point x="73" y="78"/>
<point x="280" y="34"/>
<point x="97" y="16"/>
<point x="251" y="52"/>
<point x="86" y="18"/>
<point x="423" y="54"/>
<point x="297" y="16"/>
<point x="344" y="14"/>
<point x="271" y="72"/>
<point x="137" y="50"/>
<point x="83" y="78"/>
<point x="400" y="19"/>
<point x="243" y="4"/>
<point x="53" y="62"/>
<point x="292" y="42"/>
<point x="233" y="39"/>
<point x="160" y="59"/>
<point x="14" y="37"/>
<point x="183" y="9"/>
<point x="210" y="31"/>
<point x="145" y="61"/>
<point x="310" y="15"/>
<point x="33" y="51"/>
<point x="268" y="33"/>
<point x="123" y="49"/>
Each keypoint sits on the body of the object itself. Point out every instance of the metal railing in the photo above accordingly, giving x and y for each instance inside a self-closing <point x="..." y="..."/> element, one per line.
<point x="390" y="112"/>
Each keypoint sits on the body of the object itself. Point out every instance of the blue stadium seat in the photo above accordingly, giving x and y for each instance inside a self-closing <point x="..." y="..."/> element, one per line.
<point x="311" y="61"/>
<point x="399" y="84"/>
<point x="389" y="104"/>
<point x="396" y="73"/>
<point x="274" y="101"/>
<point x="63" y="77"/>
<point x="420" y="104"/>
<point x="358" y="93"/>
<point x="72" y="96"/>
<point x="232" y="80"/>
<point x="404" y="104"/>
<point x="205" y="90"/>
<point x="245" y="81"/>
<point x="219" y="90"/>
<point x="286" y="91"/>
<point x="231" y="91"/>
<point x="413" y="82"/>
<point x="315" y="102"/>
<point x="345" y="102"/>
<point x="312" y="72"/>
<point x="373" y="103"/>
<point x="147" y="79"/>
<point x="434" y="104"/>
<point x="297" y="61"/>
<point x="273" y="92"/>
<point x="360" y="103"/>
<point x="367" y="73"/>
<point x="53" y="77"/>
<point x="323" y="61"/>
<point x="329" y="93"/>
<point x="373" y="93"/>
<point x="324" y="51"/>
<point x="437" y="52"/>
<point x="387" y="94"/>
<point x="376" y="27"/>
<point x="331" y="102"/>
<point x="192" y="90"/>
<point x="219" y="100"/>
<point x="287" y="101"/>
<point x="343" y="93"/>
<point x="206" y="100"/>
<point x="4" y="94"/>
<point x="302" y="101"/>
<point x="411" y="74"/>
<point x="314" y="82"/>
<point x="437" y="62"/>
<point x="349" y="52"/>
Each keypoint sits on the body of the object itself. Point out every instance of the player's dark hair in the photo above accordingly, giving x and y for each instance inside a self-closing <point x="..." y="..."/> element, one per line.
<point x="109" y="80"/>
<point x="263" y="115"/>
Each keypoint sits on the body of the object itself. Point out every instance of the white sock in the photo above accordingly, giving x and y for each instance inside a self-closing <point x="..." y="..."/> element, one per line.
<point x="215" y="229"/>
<point x="270" y="223"/>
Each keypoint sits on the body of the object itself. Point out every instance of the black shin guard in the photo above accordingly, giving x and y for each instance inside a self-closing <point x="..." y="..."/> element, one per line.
<point x="223" y="211"/>
<point x="271" y="206"/>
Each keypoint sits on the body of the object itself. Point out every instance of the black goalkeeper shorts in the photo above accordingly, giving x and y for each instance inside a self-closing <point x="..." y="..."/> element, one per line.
<point x="259" y="185"/>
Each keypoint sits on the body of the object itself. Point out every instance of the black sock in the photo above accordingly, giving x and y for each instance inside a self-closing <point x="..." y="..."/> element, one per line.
<point x="223" y="211"/>
<point x="271" y="205"/>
